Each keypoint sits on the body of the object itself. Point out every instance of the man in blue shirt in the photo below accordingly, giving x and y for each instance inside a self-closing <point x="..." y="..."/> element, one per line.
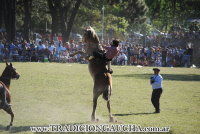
<point x="156" y="82"/>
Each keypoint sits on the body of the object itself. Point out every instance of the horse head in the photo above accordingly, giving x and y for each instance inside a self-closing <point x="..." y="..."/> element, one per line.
<point x="91" y="40"/>
<point x="10" y="72"/>
<point x="90" y="36"/>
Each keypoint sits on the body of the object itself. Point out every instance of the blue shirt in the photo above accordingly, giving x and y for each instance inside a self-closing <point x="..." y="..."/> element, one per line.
<point x="1" y="49"/>
<point x="157" y="81"/>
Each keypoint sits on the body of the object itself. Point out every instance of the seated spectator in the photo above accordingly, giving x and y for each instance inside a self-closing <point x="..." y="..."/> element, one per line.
<point x="158" y="62"/>
<point x="33" y="53"/>
<point x="51" y="49"/>
<point x="40" y="47"/>
<point x="124" y="59"/>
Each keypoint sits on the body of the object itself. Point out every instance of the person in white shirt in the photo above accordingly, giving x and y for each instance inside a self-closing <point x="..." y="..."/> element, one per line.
<point x="51" y="48"/>
<point x="156" y="82"/>
<point x="41" y="46"/>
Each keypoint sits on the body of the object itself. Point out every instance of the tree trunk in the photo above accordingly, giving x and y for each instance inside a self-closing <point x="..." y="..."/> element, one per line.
<point x="60" y="15"/>
<point x="10" y="19"/>
<point x="27" y="19"/>
<point x="55" y="22"/>
<point x="1" y="14"/>
<point x="13" y="20"/>
<point x="196" y="54"/>
<point x="66" y="32"/>
<point x="174" y="11"/>
<point x="63" y="20"/>
<point x="53" y="8"/>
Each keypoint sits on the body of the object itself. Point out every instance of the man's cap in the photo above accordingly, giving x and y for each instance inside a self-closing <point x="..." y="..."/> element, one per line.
<point x="156" y="69"/>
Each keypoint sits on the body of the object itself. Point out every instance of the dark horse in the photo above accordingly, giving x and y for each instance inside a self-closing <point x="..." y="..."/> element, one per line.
<point x="101" y="78"/>
<point x="5" y="79"/>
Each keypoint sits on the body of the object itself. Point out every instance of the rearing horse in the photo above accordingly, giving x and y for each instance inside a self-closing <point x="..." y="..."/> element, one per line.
<point x="102" y="79"/>
<point x="5" y="79"/>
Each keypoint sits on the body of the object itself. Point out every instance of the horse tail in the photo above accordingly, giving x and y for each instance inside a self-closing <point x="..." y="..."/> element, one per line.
<point x="106" y="93"/>
<point x="108" y="88"/>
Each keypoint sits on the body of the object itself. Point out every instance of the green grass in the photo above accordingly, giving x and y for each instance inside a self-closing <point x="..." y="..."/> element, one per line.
<point x="55" y="93"/>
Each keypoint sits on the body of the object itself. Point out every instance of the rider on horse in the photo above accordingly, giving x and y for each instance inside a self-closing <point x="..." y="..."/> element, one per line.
<point x="107" y="56"/>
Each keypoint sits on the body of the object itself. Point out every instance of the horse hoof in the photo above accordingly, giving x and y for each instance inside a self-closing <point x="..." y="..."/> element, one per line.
<point x="8" y="128"/>
<point x="93" y="120"/>
<point x="112" y="119"/>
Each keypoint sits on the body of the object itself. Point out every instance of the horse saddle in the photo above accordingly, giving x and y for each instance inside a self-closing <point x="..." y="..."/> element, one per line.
<point x="100" y="61"/>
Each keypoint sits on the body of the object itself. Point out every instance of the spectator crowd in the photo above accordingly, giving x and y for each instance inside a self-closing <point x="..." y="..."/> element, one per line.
<point x="158" y="51"/>
<point x="130" y="53"/>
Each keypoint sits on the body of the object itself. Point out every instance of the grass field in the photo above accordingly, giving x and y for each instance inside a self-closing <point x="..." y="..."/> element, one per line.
<point x="55" y="93"/>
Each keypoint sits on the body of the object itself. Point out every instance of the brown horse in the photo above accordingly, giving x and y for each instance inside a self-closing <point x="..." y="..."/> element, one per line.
<point x="5" y="79"/>
<point x="102" y="79"/>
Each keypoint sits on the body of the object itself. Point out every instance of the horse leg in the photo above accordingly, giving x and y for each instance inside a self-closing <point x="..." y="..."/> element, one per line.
<point x="93" y="117"/>
<point x="95" y="97"/>
<point x="110" y="114"/>
<point x="108" y="90"/>
<point x="9" y="111"/>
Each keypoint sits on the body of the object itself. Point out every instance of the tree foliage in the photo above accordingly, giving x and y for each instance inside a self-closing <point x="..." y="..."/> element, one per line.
<point x="63" y="13"/>
<point x="60" y="15"/>
<point x="166" y="13"/>
<point x="119" y="16"/>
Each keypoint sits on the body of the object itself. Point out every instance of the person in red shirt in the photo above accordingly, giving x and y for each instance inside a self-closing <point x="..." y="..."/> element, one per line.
<point x="107" y="56"/>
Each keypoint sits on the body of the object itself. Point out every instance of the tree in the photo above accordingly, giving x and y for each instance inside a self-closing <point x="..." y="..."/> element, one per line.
<point x="63" y="14"/>
<point x="118" y="20"/>
<point x="27" y="19"/>
<point x="9" y="8"/>
<point x="133" y="10"/>
<point x="53" y="9"/>
<point x="167" y="13"/>
<point x="40" y="17"/>
<point x="1" y="13"/>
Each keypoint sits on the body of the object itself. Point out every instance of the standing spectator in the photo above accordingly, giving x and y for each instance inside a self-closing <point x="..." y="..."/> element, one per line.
<point x="136" y="53"/>
<point x="129" y="53"/>
<point x="190" y="53"/>
<point x="122" y="58"/>
<point x="187" y="56"/>
<point x="55" y="39"/>
<point x="1" y="51"/>
<point x="164" y="55"/>
<point x="158" y="62"/>
<point x="6" y="50"/>
<point x="156" y="82"/>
